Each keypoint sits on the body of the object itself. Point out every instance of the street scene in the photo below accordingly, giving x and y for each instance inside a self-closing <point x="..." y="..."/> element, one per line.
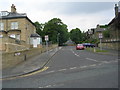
<point x="59" y="45"/>
<point x="69" y="68"/>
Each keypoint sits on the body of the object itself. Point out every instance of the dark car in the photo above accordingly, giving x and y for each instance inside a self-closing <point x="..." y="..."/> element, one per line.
<point x="88" y="45"/>
<point x="80" y="47"/>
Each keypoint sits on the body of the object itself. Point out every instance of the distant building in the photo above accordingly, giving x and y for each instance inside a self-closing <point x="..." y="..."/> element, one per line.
<point x="99" y="29"/>
<point x="16" y="28"/>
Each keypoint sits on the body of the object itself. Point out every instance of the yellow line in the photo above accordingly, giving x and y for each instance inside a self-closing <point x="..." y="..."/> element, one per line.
<point x="45" y="68"/>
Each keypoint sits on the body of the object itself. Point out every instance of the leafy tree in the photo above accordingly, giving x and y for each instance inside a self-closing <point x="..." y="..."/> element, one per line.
<point x="56" y="30"/>
<point x="39" y="28"/>
<point x="76" y="35"/>
<point x="106" y="34"/>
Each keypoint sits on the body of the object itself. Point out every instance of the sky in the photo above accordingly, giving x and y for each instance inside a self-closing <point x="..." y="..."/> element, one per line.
<point x="74" y="13"/>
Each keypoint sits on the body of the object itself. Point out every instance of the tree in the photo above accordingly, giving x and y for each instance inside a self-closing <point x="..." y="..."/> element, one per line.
<point x="76" y="35"/>
<point x="39" y="28"/>
<point x="56" y="29"/>
<point x="106" y="34"/>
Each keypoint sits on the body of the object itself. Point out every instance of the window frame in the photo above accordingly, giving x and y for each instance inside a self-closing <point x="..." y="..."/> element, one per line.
<point x="1" y="26"/>
<point x="14" y="25"/>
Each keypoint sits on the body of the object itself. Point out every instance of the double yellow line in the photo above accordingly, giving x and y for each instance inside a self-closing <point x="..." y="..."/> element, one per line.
<point x="29" y="74"/>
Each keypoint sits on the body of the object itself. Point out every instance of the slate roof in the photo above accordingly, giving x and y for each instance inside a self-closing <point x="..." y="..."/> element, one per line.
<point x="117" y="19"/>
<point x="35" y="35"/>
<point x="15" y="15"/>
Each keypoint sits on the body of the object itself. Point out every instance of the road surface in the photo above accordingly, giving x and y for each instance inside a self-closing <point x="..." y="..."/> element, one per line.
<point x="71" y="68"/>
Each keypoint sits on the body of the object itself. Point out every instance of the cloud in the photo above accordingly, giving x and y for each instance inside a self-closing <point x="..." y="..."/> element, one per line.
<point x="83" y="15"/>
<point x="79" y="7"/>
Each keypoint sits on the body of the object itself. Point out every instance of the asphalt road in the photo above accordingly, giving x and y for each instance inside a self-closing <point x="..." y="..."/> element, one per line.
<point x="70" y="68"/>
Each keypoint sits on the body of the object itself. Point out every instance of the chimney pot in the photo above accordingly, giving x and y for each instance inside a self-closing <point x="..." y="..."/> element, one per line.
<point x="13" y="8"/>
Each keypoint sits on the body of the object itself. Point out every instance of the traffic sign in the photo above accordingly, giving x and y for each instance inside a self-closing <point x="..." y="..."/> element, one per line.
<point x="46" y="38"/>
<point x="100" y="35"/>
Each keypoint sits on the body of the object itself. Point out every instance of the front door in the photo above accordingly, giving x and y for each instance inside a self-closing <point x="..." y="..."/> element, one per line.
<point x="34" y="42"/>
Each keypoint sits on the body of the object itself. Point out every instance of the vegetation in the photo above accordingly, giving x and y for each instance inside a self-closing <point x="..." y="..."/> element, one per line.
<point x="106" y="34"/>
<point x="39" y="28"/>
<point x="55" y="29"/>
<point x="76" y="35"/>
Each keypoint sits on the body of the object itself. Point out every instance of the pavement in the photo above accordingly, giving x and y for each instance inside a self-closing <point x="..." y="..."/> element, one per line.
<point x="33" y="64"/>
<point x="37" y="63"/>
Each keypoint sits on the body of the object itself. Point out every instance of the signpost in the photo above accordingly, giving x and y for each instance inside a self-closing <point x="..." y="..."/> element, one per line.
<point x="100" y="37"/>
<point x="46" y="39"/>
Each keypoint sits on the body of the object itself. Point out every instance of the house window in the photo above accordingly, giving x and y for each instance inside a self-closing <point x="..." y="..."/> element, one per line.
<point x="12" y="36"/>
<point x="1" y="35"/>
<point x="14" y="25"/>
<point x="1" y="26"/>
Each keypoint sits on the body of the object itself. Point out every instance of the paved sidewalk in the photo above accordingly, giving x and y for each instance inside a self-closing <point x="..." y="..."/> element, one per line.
<point x="30" y="65"/>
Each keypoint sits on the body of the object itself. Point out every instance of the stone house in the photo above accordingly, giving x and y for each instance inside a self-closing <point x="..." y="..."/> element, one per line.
<point x="99" y="30"/>
<point x="16" y="29"/>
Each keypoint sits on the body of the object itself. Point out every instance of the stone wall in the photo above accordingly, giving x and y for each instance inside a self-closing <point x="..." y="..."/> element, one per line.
<point x="14" y="58"/>
<point x="110" y="45"/>
<point x="8" y="44"/>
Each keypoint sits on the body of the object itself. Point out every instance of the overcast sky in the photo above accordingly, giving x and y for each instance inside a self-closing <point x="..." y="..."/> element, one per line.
<point x="74" y="13"/>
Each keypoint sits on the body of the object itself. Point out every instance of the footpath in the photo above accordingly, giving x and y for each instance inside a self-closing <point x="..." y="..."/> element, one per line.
<point x="33" y="64"/>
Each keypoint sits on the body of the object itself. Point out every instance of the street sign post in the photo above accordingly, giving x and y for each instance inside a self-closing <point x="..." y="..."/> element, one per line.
<point x="100" y="37"/>
<point x="46" y="39"/>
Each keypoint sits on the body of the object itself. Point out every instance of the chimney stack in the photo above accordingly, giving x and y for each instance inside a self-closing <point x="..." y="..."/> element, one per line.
<point x="13" y="9"/>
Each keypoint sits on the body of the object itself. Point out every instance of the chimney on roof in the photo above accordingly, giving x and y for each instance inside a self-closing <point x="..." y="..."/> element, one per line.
<point x="13" y="8"/>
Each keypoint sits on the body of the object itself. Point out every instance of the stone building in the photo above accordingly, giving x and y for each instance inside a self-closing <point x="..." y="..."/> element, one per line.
<point x="16" y="29"/>
<point x="113" y="42"/>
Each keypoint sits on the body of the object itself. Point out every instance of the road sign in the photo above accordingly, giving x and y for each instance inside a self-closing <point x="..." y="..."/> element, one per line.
<point x="46" y="38"/>
<point x="100" y="35"/>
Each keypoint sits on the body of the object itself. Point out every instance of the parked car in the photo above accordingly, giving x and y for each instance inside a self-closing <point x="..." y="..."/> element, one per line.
<point x="88" y="45"/>
<point x="80" y="47"/>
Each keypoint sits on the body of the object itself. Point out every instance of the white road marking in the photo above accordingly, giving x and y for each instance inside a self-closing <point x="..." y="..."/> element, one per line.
<point x="50" y="72"/>
<point x="77" y="55"/>
<point x="62" y="69"/>
<point x="74" y="53"/>
<point x="73" y="68"/>
<point x="48" y="86"/>
<point x="92" y="59"/>
<point x="93" y="65"/>
<point x="40" y="87"/>
<point x="83" y="66"/>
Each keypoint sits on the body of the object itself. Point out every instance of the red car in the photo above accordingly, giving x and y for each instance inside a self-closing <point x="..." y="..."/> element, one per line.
<point x="80" y="47"/>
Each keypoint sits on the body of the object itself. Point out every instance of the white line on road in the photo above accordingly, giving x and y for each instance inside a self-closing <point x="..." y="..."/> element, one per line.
<point x="92" y="59"/>
<point x="73" y="68"/>
<point x="48" y="86"/>
<point x="40" y="87"/>
<point x="62" y="69"/>
<point x="83" y="66"/>
<point x="74" y="53"/>
<point x="50" y="72"/>
<point x="77" y="55"/>
<point x="93" y="65"/>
